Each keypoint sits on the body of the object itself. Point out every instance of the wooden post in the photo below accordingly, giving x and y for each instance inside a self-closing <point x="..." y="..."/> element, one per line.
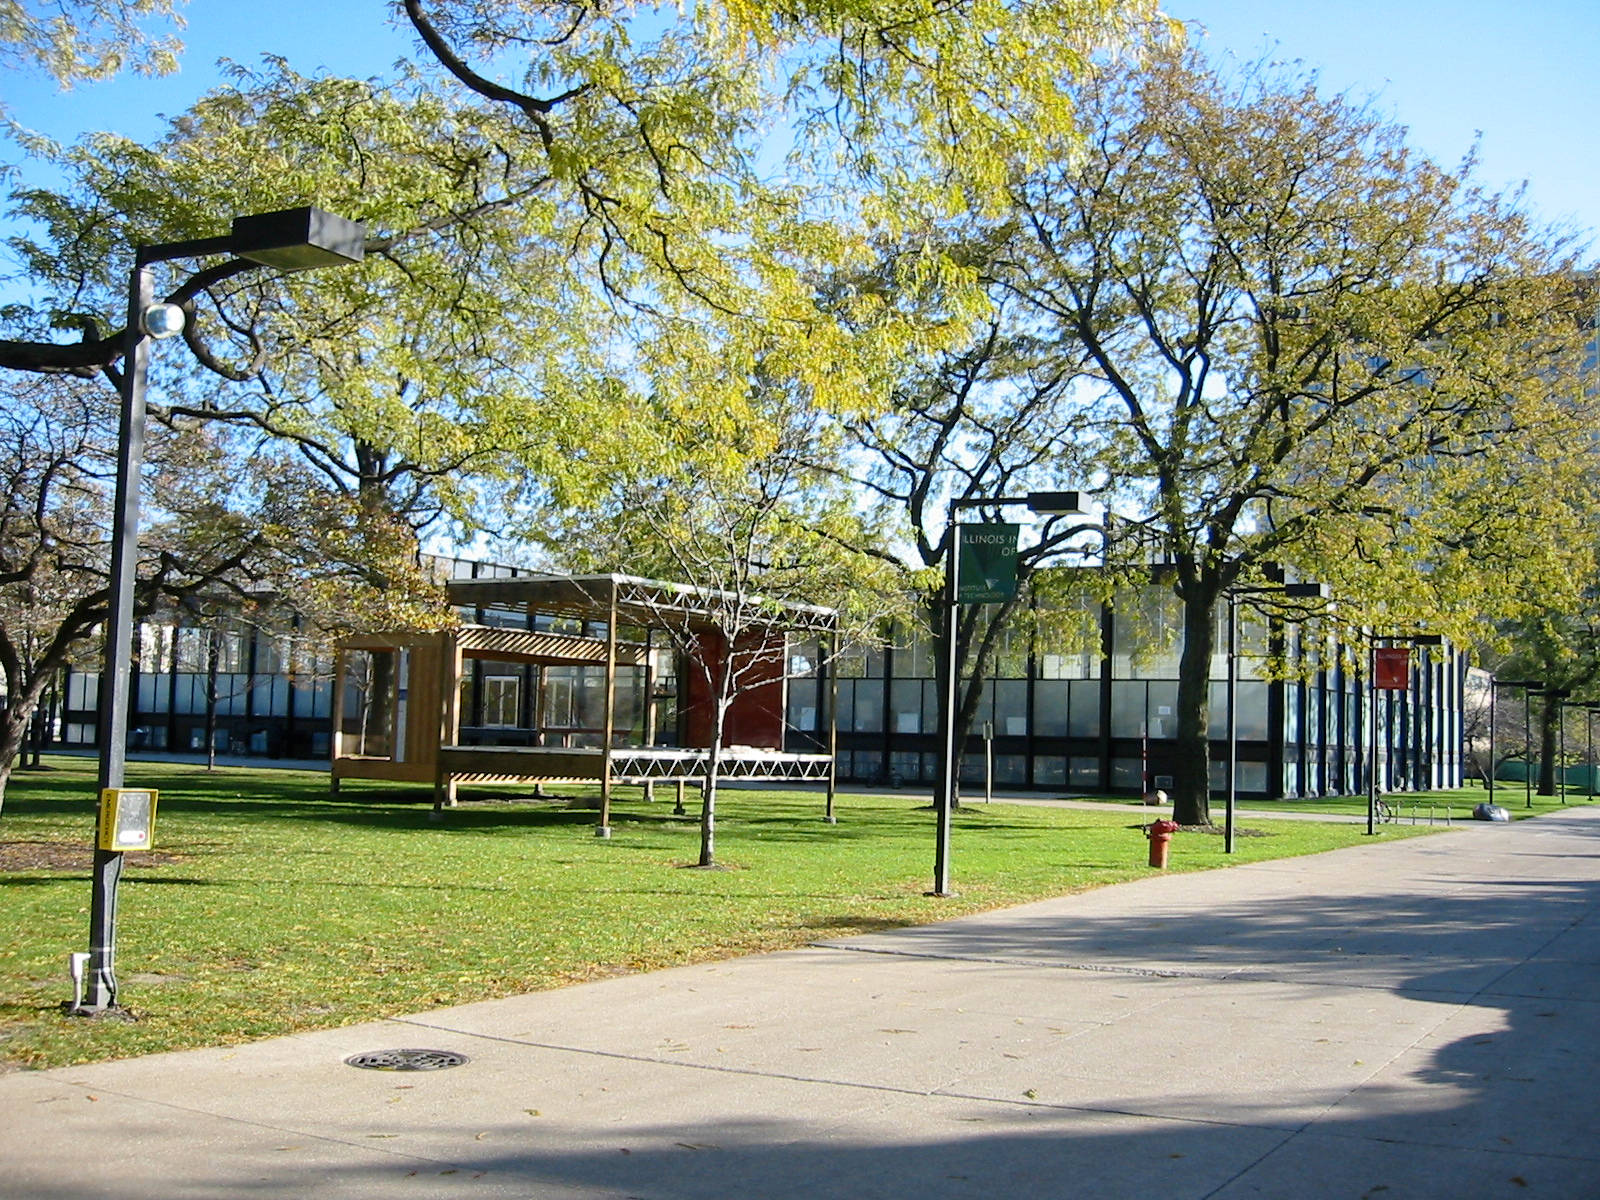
<point x="336" y="740"/>
<point x="336" y="737"/>
<point x="449" y="729"/>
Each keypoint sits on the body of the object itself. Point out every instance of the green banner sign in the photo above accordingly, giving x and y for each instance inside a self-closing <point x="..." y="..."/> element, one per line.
<point x="986" y="557"/>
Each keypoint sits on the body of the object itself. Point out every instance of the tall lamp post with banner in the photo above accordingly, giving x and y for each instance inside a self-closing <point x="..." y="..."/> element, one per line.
<point x="1389" y="669"/>
<point x="981" y="569"/>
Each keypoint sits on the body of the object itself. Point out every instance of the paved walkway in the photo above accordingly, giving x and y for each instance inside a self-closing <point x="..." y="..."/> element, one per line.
<point x="1405" y="1019"/>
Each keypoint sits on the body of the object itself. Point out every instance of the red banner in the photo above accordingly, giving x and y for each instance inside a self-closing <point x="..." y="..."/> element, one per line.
<point x="1391" y="668"/>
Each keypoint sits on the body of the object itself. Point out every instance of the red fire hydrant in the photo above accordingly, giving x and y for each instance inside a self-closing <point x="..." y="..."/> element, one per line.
<point x="1160" y="835"/>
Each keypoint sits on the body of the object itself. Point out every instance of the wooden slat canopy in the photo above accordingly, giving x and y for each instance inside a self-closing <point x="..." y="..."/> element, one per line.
<point x="643" y="603"/>
<point x="421" y="741"/>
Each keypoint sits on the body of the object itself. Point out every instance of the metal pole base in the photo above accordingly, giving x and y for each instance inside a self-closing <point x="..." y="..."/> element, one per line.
<point x="112" y="1012"/>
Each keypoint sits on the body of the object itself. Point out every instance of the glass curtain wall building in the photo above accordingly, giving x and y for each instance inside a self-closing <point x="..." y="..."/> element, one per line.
<point x="1061" y="716"/>
<point x="1065" y="719"/>
<point x="263" y="684"/>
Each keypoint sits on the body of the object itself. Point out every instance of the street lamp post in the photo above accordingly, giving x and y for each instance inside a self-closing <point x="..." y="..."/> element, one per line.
<point x="1045" y="504"/>
<point x="1415" y="639"/>
<point x="1561" y="748"/>
<point x="1589" y="756"/>
<point x="291" y="240"/>
<point x="1494" y="691"/>
<point x="1292" y="591"/>
<point x="1527" y="742"/>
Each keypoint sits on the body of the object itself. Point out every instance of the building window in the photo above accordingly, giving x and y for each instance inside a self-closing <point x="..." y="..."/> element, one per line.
<point x="1084" y="773"/>
<point x="1011" y="708"/>
<point x="1147" y="634"/>
<point x="502" y="701"/>
<point x="906" y="705"/>
<point x="369" y="680"/>
<point x="1127" y="774"/>
<point x="866" y="714"/>
<point x="1083" y="714"/>
<point x="803" y="706"/>
<point x="1050" y="770"/>
<point x="1050" y="710"/>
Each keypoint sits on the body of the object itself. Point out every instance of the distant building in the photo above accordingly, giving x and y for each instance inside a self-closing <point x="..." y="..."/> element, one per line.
<point x="1058" y="721"/>
<point x="1104" y="721"/>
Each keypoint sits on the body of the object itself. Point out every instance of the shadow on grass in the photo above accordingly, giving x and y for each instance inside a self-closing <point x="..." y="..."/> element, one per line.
<point x="260" y="796"/>
<point x="15" y="881"/>
<point x="1496" y="969"/>
<point x="85" y="878"/>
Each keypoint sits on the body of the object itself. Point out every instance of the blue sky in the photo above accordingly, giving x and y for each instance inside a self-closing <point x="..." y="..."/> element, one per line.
<point x="1526" y="77"/>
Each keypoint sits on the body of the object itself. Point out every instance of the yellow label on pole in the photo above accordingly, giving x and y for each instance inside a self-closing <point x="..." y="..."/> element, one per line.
<point x="127" y="818"/>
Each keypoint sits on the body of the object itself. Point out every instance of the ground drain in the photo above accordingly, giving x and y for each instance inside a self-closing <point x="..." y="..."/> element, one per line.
<point x="406" y="1060"/>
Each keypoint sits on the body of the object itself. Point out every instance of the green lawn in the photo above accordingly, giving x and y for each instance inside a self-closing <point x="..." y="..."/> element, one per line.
<point x="1420" y="806"/>
<point x="271" y="907"/>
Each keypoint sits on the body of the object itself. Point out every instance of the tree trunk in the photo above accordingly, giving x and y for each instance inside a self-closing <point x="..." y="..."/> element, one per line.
<point x="12" y="732"/>
<point x="976" y="636"/>
<point x="708" y="789"/>
<point x="1549" y="748"/>
<point x="941" y="676"/>
<point x="708" y="801"/>
<point x="1191" y="770"/>
<point x="32" y="755"/>
<point x="15" y="720"/>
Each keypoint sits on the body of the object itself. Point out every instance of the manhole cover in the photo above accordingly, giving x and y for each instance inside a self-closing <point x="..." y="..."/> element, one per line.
<point x="406" y="1060"/>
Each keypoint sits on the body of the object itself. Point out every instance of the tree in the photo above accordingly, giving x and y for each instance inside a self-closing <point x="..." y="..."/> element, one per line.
<point x="737" y="515"/>
<point x="208" y="533"/>
<point x="513" y="220"/>
<point x="1309" y="346"/>
<point x="509" y="229"/>
<point x="1559" y="646"/>
<point x="566" y="219"/>
<point x="989" y="414"/>
<point x="54" y="541"/>
<point x="637" y="134"/>
<point x="397" y="386"/>
<point x="89" y="39"/>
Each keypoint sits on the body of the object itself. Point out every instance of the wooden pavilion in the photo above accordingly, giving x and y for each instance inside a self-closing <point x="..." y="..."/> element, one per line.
<point x="398" y="704"/>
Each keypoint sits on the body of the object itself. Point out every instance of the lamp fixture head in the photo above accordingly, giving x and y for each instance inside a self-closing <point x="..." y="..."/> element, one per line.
<point x="1056" y="504"/>
<point x="161" y="320"/>
<point x="1308" y="591"/>
<point x="297" y="239"/>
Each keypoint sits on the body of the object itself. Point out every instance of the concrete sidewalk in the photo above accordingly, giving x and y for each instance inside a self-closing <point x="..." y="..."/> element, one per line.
<point x="1404" y="1019"/>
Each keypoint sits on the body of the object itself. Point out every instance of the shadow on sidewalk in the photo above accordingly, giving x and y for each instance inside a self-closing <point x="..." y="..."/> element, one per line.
<point x="1486" y="1088"/>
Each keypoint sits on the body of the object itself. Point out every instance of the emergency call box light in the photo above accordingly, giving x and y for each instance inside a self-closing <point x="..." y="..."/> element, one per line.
<point x="127" y="818"/>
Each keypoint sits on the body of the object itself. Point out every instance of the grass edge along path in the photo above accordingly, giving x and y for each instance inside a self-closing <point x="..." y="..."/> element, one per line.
<point x="267" y="907"/>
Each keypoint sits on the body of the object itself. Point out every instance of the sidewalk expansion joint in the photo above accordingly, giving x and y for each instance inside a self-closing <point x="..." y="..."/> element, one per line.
<point x="1242" y="974"/>
<point x="941" y="1092"/>
<point x="1019" y="961"/>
